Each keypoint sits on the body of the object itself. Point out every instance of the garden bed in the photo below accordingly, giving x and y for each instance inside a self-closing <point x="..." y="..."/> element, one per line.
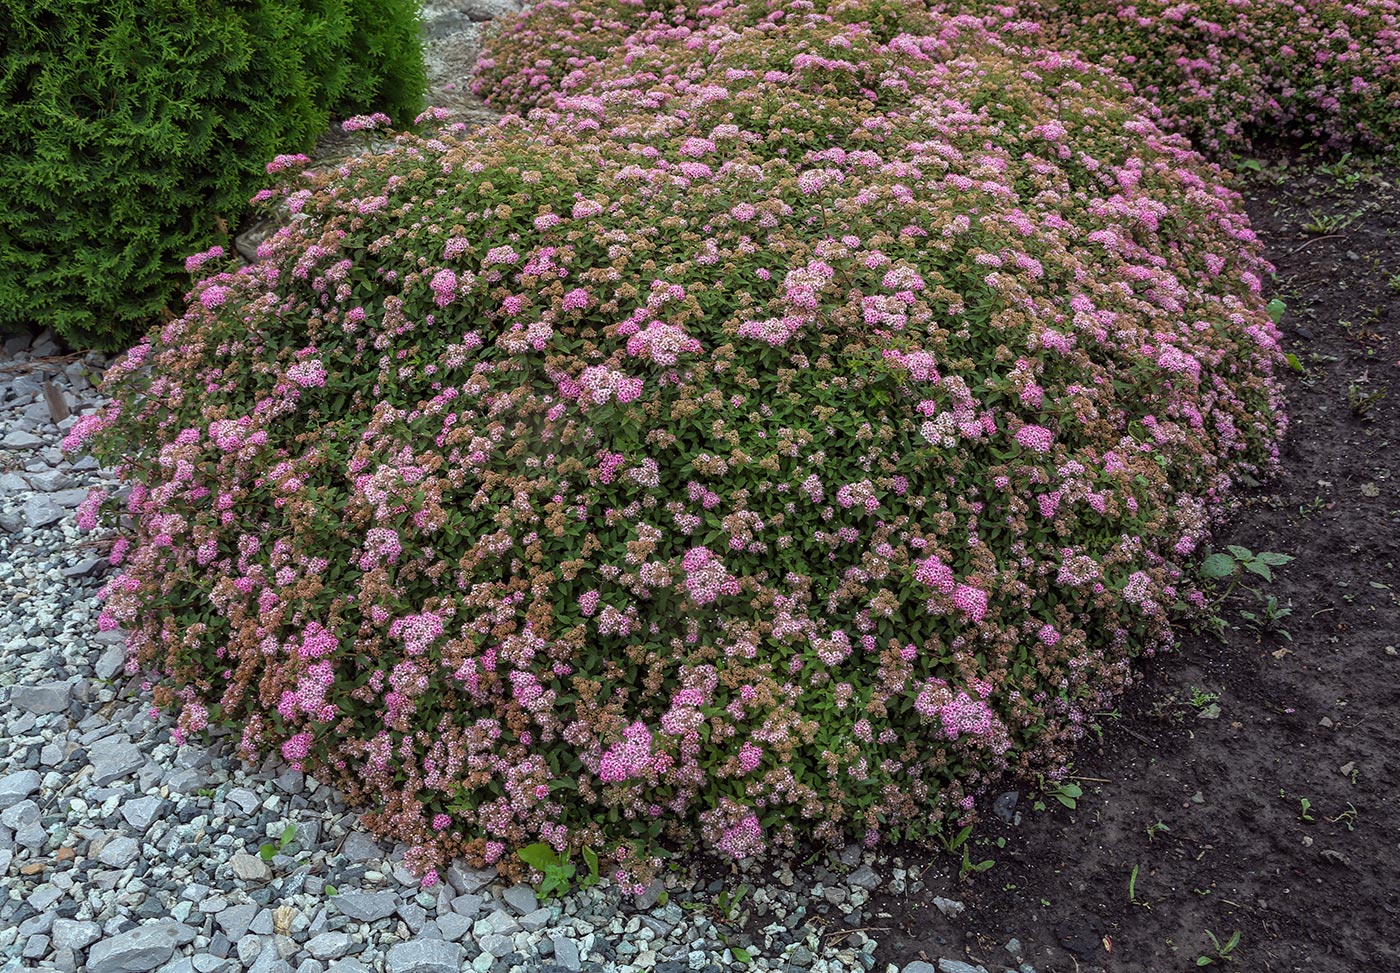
<point x="1270" y="809"/>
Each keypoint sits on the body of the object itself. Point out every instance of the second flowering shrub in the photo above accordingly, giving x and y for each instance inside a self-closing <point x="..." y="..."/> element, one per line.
<point x="1241" y="75"/>
<point x="781" y="434"/>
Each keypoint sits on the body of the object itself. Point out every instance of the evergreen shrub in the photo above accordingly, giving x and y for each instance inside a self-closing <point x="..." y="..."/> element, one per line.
<point x="780" y="436"/>
<point x="132" y="134"/>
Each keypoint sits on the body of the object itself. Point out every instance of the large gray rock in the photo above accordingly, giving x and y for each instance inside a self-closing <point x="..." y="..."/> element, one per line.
<point x="453" y="927"/>
<point x="864" y="877"/>
<point x="367" y="906"/>
<point x="497" y="946"/>
<point x="45" y="698"/>
<point x="47" y="481"/>
<point x="20" y="815"/>
<point x="425" y="956"/>
<point x="566" y="953"/>
<point x="360" y="847"/>
<point x="139" y="950"/>
<point x="142" y="812"/>
<point x="958" y="966"/>
<point x="17" y="786"/>
<point x="40" y="511"/>
<point x="521" y="898"/>
<point x="119" y="851"/>
<point x="112" y="660"/>
<point x="69" y="499"/>
<point x="75" y="935"/>
<point x="114" y="758"/>
<point x="21" y="440"/>
<point x="465" y="881"/>
<point x="236" y="919"/>
<point x="348" y="965"/>
<point x="329" y="946"/>
<point x="500" y="922"/>
<point x="467" y="905"/>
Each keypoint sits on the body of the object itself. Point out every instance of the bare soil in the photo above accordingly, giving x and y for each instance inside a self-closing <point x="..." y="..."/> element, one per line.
<point x="1250" y="778"/>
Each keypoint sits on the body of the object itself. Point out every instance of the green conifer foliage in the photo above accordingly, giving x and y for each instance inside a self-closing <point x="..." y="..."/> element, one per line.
<point x="133" y="132"/>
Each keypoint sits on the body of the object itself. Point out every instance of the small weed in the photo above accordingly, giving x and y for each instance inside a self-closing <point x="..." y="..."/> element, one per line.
<point x="1313" y="506"/>
<point x="1221" y="951"/>
<point x="558" y="874"/>
<point x="739" y="953"/>
<point x="1394" y="282"/>
<point x="1156" y="828"/>
<point x="1132" y="890"/>
<point x="1326" y="223"/>
<point x="957" y="841"/>
<point x="1235" y="563"/>
<point x="1067" y="794"/>
<point x="1305" y="814"/>
<point x="1347" y="818"/>
<point x="1361" y="400"/>
<point x="725" y="907"/>
<point x="969" y="866"/>
<point x="1201" y="698"/>
<point x="271" y="850"/>
<point x="1269" y="616"/>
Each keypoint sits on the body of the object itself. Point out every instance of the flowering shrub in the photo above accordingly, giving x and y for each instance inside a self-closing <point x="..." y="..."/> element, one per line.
<point x="1235" y="73"/>
<point x="781" y="435"/>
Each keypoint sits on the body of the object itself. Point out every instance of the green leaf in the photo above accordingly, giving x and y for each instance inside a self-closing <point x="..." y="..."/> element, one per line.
<point x="1276" y="309"/>
<point x="330" y="890"/>
<point x="288" y="833"/>
<point x="1242" y="553"/>
<point x="741" y="954"/>
<point x="539" y="856"/>
<point x="1274" y="558"/>
<point x="1260" y="569"/>
<point x="1293" y="362"/>
<point x="590" y="858"/>
<point x="267" y="852"/>
<point x="1204" y="960"/>
<point x="1218" y="566"/>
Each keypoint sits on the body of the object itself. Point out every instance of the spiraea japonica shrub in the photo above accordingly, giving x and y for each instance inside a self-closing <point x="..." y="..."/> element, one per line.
<point x="1240" y="75"/>
<point x="1236" y="76"/>
<point x="132" y="134"/>
<point x="782" y="435"/>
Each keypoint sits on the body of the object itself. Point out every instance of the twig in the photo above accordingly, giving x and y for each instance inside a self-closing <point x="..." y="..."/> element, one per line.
<point x="1137" y="736"/>
<point x="843" y="933"/>
<point x="1096" y="780"/>
<point x="1330" y="236"/>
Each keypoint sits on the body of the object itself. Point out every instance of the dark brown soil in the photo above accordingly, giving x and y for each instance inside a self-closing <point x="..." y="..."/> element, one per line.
<point x="1280" y="796"/>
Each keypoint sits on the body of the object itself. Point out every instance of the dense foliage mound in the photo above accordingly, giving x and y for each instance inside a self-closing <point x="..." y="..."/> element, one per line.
<point x="783" y="435"/>
<point x="132" y="134"/>
<point x="1234" y="75"/>
<point x="1239" y="75"/>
